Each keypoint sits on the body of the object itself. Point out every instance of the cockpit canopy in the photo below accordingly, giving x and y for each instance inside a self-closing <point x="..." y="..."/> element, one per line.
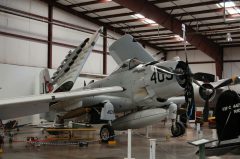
<point x="128" y="65"/>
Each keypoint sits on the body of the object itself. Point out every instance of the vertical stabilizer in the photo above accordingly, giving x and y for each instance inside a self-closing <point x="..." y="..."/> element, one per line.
<point x="45" y="82"/>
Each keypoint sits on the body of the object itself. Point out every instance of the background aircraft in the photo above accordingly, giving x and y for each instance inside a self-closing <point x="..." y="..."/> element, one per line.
<point x="225" y="104"/>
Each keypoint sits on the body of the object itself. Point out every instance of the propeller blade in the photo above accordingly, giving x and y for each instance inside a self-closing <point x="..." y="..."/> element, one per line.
<point x="230" y="81"/>
<point x="224" y="83"/>
<point x="197" y="83"/>
<point x="167" y="70"/>
<point x="189" y="98"/>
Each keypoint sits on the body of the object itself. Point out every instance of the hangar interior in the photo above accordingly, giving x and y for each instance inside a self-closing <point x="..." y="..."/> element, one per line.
<point x="37" y="34"/>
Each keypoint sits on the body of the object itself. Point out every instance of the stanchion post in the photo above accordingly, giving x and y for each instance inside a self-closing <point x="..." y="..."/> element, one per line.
<point x="147" y="132"/>
<point x="129" y="144"/>
<point x="152" y="149"/>
<point x="199" y="131"/>
<point x="202" y="151"/>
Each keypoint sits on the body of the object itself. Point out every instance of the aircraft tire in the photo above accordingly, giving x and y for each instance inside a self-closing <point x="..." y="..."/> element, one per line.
<point x="178" y="129"/>
<point x="106" y="133"/>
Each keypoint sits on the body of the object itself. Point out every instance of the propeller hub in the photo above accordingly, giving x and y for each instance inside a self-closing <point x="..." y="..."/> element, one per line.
<point x="207" y="91"/>
<point x="181" y="68"/>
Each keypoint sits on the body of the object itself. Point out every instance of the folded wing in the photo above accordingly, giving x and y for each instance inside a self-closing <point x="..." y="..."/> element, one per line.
<point x="128" y="48"/>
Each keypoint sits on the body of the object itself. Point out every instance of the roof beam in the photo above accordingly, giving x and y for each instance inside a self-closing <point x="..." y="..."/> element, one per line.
<point x="103" y="9"/>
<point x="202" y="11"/>
<point x="208" y="18"/>
<point x="211" y="2"/>
<point x="102" y="1"/>
<point x="181" y="49"/>
<point x="168" y="43"/>
<point x="183" y="21"/>
<point x="162" y="1"/>
<point x="127" y="21"/>
<point x="139" y="26"/>
<point x="179" y="46"/>
<point x="146" y="31"/>
<point x="173" y="38"/>
<point x="192" y="5"/>
<point x="83" y="4"/>
<point x="166" y="20"/>
<point x="154" y="35"/>
<point x="207" y="32"/>
<point x="116" y="15"/>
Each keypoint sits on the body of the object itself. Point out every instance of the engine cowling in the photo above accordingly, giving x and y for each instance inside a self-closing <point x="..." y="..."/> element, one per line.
<point x="207" y="94"/>
<point x="201" y="95"/>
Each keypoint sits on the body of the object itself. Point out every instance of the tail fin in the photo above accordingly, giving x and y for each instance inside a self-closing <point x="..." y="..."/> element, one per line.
<point x="45" y="82"/>
<point x="70" y="68"/>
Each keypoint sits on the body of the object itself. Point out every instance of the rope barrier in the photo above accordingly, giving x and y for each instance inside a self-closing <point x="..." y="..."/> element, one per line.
<point x="55" y="141"/>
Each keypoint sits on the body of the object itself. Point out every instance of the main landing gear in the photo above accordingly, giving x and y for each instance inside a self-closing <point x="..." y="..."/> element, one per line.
<point x="178" y="129"/>
<point x="107" y="133"/>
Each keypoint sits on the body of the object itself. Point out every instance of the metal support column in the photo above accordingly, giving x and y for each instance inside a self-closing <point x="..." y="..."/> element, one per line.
<point x="104" y="50"/>
<point x="50" y="19"/>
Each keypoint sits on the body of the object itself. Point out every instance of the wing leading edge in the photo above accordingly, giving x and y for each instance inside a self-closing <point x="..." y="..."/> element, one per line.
<point x="22" y="106"/>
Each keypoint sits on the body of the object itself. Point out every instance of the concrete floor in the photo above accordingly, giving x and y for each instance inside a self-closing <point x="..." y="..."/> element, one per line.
<point x="167" y="148"/>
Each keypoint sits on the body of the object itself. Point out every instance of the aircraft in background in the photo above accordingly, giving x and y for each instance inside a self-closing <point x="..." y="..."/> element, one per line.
<point x="11" y="125"/>
<point x="225" y="104"/>
<point x="142" y="91"/>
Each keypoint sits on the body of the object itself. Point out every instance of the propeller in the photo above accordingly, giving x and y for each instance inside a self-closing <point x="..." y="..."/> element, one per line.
<point x="187" y="78"/>
<point x="230" y="81"/>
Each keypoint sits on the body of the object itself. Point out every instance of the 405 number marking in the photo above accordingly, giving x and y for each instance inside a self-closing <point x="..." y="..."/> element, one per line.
<point x="160" y="77"/>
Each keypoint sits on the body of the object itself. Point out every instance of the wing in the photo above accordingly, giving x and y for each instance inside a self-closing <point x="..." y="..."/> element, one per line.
<point x="69" y="70"/>
<point x="22" y="106"/>
<point x="127" y="48"/>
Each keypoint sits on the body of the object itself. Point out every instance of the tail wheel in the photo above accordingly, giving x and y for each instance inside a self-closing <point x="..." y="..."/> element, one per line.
<point x="178" y="129"/>
<point x="106" y="133"/>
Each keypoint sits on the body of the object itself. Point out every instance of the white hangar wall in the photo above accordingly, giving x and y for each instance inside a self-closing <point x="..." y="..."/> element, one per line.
<point x="231" y="65"/>
<point x="20" y="51"/>
<point x="232" y="61"/>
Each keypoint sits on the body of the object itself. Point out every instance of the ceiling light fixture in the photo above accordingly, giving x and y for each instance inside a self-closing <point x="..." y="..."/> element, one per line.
<point x="230" y="7"/>
<point x="144" y="19"/>
<point x="178" y="38"/>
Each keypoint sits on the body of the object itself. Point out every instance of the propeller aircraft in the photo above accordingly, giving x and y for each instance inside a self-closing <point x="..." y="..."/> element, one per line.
<point x="140" y="92"/>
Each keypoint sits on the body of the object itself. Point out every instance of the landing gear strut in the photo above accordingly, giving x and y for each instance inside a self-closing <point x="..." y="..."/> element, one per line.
<point x="107" y="133"/>
<point x="177" y="129"/>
